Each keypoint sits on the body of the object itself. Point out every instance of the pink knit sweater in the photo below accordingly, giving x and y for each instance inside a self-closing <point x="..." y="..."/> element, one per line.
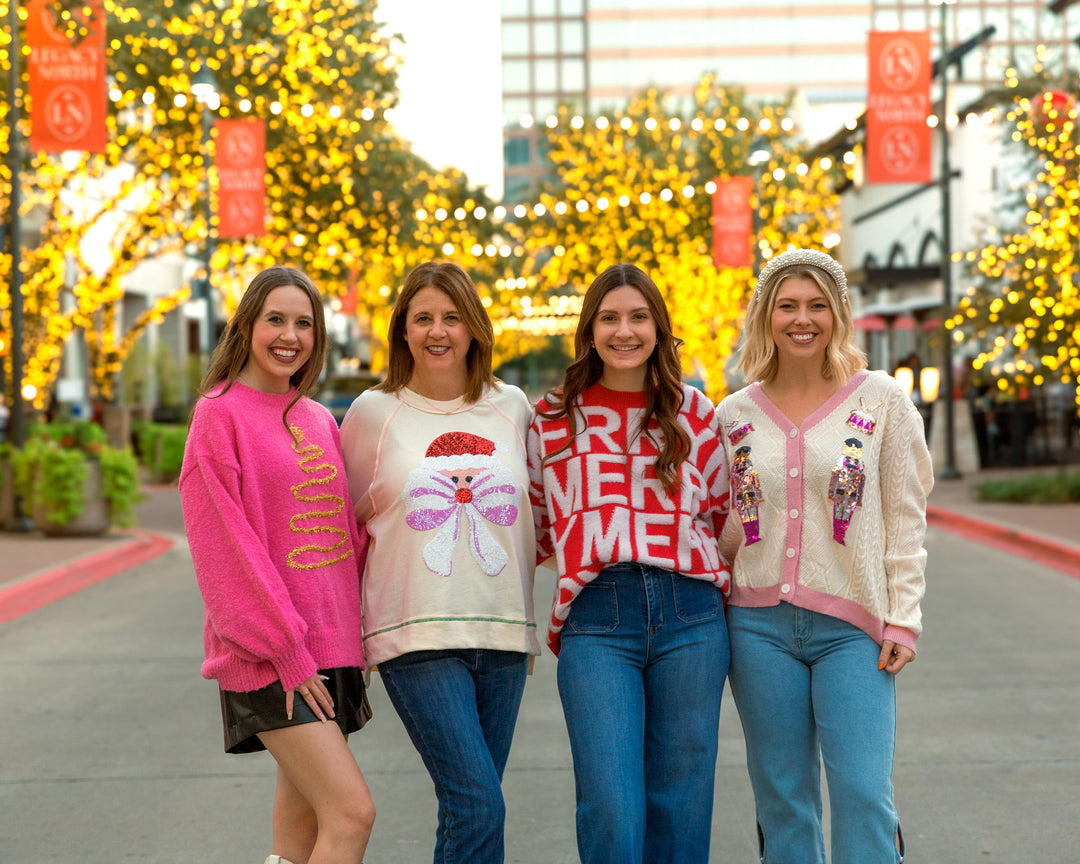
<point x="273" y="538"/>
<point x="599" y="502"/>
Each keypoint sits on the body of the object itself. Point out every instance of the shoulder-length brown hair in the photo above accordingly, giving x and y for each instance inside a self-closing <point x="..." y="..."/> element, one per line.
<point x="663" y="374"/>
<point x="234" y="349"/>
<point x="455" y="283"/>
<point x="759" y="360"/>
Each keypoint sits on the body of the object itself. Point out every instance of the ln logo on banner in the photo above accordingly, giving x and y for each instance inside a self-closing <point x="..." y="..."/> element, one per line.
<point x="241" y="171"/>
<point x="732" y="222"/>
<point x="68" y="102"/>
<point x="897" y="137"/>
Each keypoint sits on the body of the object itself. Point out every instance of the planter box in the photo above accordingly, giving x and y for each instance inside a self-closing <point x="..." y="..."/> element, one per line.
<point x="92" y="522"/>
<point x="7" y="492"/>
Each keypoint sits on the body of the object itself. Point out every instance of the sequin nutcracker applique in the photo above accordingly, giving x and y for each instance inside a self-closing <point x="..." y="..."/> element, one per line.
<point x="846" y="487"/>
<point x="738" y="429"/>
<point x="862" y="418"/>
<point x="747" y="495"/>
<point x="460" y="476"/>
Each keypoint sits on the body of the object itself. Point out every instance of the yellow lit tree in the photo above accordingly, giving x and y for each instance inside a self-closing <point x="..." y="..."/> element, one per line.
<point x="343" y="189"/>
<point x="1021" y="314"/>
<point x="633" y="188"/>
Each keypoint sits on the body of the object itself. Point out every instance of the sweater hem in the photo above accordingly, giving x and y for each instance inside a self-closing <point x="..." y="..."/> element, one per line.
<point x="816" y="601"/>
<point x="326" y="651"/>
<point x="446" y="633"/>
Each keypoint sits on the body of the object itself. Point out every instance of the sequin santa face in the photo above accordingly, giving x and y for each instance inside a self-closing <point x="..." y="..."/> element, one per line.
<point x="438" y="337"/>
<point x="462" y="486"/>
<point x="801" y="323"/>
<point x="282" y="339"/>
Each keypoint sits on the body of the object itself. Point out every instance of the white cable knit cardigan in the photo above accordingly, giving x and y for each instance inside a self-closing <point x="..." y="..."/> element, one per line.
<point x="875" y="580"/>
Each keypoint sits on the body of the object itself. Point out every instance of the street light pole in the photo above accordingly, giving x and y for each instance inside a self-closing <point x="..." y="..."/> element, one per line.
<point x="759" y="156"/>
<point x="18" y="415"/>
<point x="211" y="324"/>
<point x="949" y="469"/>
<point x="204" y="89"/>
<point x="20" y="523"/>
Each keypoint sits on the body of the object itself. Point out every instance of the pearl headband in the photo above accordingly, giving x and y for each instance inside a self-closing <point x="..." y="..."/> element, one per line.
<point x="793" y="259"/>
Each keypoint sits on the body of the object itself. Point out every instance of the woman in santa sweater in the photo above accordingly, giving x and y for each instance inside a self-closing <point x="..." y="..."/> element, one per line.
<point x="629" y="488"/>
<point x="436" y="462"/>
<point x="830" y="474"/>
<point x="277" y="557"/>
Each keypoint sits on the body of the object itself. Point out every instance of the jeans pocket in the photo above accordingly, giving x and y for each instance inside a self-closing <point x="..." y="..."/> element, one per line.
<point x="695" y="599"/>
<point x="595" y="609"/>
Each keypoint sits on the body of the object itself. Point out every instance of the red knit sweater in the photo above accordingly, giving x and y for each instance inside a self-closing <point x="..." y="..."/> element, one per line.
<point x="599" y="502"/>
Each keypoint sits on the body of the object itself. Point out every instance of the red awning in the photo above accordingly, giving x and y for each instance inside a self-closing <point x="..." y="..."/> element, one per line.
<point x="870" y="322"/>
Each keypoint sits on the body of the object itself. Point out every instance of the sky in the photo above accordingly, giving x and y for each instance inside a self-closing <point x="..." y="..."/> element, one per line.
<point x="450" y="83"/>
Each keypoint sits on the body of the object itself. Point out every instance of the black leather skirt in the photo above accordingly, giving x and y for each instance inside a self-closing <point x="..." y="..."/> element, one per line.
<point x="244" y="715"/>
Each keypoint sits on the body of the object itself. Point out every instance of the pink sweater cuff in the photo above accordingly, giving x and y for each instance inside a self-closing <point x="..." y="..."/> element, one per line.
<point x="900" y="636"/>
<point x="296" y="667"/>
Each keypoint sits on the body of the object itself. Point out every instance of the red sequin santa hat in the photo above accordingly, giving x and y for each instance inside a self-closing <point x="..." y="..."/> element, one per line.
<point x="462" y="450"/>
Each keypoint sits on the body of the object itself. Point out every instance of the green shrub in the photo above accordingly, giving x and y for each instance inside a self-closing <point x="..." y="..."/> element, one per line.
<point x="120" y="485"/>
<point x="60" y="483"/>
<point x="23" y="461"/>
<point x="161" y="449"/>
<point x="1059" y="488"/>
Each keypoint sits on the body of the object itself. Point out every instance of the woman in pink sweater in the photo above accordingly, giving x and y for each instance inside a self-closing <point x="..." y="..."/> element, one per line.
<point x="277" y="556"/>
<point x="629" y="493"/>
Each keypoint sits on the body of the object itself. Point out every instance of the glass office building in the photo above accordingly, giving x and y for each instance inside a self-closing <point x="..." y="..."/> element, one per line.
<point x="597" y="54"/>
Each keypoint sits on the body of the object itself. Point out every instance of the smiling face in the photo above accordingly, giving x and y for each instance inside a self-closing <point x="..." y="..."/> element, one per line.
<point x="439" y="341"/>
<point x="282" y="339"/>
<point x="624" y="335"/>
<point x="801" y="323"/>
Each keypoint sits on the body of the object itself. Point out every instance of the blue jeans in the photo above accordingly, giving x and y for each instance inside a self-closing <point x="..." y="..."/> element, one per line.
<point x="460" y="708"/>
<point x="808" y="690"/>
<point x="641" y="675"/>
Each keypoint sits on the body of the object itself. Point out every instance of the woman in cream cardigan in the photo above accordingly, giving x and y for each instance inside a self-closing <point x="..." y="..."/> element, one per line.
<point x="829" y="478"/>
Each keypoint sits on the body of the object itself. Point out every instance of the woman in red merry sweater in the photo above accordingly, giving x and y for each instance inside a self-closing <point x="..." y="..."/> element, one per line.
<point x="277" y="556"/>
<point x="629" y="487"/>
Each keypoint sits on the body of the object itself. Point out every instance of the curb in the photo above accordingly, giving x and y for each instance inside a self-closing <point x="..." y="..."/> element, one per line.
<point x="1042" y="550"/>
<point x="36" y="591"/>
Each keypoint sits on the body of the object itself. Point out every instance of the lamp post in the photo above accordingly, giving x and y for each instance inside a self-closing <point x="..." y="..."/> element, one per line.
<point x="949" y="469"/>
<point x="20" y="522"/>
<point x="759" y="156"/>
<point x="204" y="90"/>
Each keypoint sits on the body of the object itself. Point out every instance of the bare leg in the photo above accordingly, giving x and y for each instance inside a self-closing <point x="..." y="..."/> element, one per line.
<point x="316" y="762"/>
<point x="296" y="826"/>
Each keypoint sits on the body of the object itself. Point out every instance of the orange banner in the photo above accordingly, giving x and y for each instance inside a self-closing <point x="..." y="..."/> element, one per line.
<point x="241" y="173"/>
<point x="732" y="222"/>
<point x="898" y="140"/>
<point x="68" y="102"/>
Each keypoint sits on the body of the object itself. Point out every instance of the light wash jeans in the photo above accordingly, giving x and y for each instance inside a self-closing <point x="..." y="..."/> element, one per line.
<point x="641" y="674"/>
<point x="808" y="690"/>
<point x="460" y="708"/>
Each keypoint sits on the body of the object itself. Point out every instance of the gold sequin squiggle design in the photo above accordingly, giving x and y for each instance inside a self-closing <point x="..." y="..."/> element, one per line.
<point x="309" y="464"/>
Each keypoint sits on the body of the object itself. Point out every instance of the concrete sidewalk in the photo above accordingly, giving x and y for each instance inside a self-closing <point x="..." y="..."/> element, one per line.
<point x="35" y="569"/>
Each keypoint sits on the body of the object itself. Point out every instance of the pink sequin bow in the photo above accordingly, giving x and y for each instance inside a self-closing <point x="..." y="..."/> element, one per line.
<point x="435" y="500"/>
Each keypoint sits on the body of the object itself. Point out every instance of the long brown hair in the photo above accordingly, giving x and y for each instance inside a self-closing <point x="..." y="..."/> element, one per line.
<point x="663" y="373"/>
<point x="234" y="349"/>
<point x="455" y="283"/>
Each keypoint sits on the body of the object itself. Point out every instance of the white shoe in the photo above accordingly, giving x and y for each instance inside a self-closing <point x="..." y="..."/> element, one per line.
<point x="276" y="859"/>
